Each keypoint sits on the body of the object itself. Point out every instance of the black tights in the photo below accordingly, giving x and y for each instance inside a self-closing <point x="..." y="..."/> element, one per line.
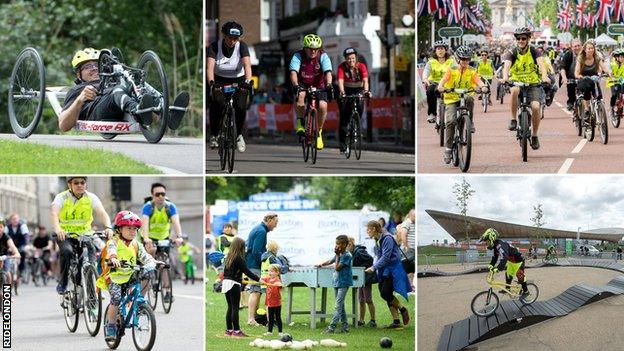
<point x="233" y="301"/>
<point x="275" y="317"/>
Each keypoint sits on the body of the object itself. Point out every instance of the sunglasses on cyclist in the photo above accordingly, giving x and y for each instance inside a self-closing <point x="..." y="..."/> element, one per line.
<point x="522" y="38"/>
<point x="160" y="194"/>
<point x="79" y="182"/>
<point x="89" y="67"/>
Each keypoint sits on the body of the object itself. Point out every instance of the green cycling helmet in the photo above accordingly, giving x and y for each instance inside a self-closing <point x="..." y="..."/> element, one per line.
<point x="489" y="236"/>
<point x="312" y="41"/>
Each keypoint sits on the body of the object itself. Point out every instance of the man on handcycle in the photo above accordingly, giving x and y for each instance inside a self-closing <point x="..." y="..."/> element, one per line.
<point x="463" y="77"/>
<point x="83" y="102"/>
<point x="123" y="247"/>
<point x="352" y="79"/>
<point x="510" y="259"/>
<point x="228" y="62"/>
<point x="311" y="67"/>
<point x="72" y="212"/>
<point x="524" y="64"/>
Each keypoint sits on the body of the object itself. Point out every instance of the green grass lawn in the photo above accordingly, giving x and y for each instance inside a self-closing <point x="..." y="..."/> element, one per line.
<point x="434" y="252"/>
<point x="32" y="158"/>
<point x="362" y="338"/>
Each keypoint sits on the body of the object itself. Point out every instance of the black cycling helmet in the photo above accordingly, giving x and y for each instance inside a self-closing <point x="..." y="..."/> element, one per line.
<point x="463" y="52"/>
<point x="232" y="28"/>
<point x="522" y="31"/>
<point x="349" y="51"/>
<point x="440" y="43"/>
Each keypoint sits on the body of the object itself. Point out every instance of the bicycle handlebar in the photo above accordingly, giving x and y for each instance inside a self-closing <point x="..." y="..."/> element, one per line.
<point x="138" y="266"/>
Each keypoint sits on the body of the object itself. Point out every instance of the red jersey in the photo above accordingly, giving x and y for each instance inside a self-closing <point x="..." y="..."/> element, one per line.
<point x="353" y="78"/>
<point x="273" y="293"/>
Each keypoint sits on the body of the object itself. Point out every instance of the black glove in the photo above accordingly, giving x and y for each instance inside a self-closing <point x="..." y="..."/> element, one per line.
<point x="330" y="93"/>
<point x="295" y="89"/>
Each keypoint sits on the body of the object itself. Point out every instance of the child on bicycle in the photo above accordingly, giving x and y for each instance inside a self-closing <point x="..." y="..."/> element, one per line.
<point x="123" y="247"/>
<point x="273" y="299"/>
<point x="510" y="259"/>
<point x="464" y="77"/>
<point x="185" y="255"/>
<point x="617" y="71"/>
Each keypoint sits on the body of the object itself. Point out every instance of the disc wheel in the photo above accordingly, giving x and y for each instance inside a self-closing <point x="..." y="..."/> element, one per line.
<point x="26" y="92"/>
<point x="155" y="76"/>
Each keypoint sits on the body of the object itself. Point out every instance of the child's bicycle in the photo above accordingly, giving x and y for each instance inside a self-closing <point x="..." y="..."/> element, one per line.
<point x="485" y="303"/>
<point x="550" y="258"/>
<point x="135" y="313"/>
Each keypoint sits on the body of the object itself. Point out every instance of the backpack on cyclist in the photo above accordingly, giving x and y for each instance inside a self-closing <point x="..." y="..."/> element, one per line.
<point x="514" y="55"/>
<point x="361" y="258"/>
<point x="167" y="205"/>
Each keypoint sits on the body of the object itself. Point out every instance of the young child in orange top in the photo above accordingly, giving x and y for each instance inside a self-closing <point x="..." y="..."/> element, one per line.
<point x="274" y="298"/>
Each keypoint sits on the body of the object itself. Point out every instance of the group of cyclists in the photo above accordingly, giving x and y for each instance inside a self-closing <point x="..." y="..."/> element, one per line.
<point x="72" y="215"/>
<point x="228" y="62"/>
<point x="579" y="68"/>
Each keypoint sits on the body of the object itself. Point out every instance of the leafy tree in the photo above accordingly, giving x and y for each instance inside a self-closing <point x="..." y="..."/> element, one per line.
<point x="538" y="221"/>
<point x="463" y="192"/>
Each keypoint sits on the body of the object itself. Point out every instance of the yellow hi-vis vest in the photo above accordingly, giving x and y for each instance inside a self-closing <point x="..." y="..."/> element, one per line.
<point x="120" y="275"/>
<point x="461" y="81"/>
<point x="438" y="69"/>
<point x="525" y="68"/>
<point x="76" y="217"/>
<point x="159" y="223"/>
<point x="485" y="69"/>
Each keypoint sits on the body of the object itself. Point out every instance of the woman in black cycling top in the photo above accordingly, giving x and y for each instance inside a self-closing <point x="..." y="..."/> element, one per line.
<point x="589" y="63"/>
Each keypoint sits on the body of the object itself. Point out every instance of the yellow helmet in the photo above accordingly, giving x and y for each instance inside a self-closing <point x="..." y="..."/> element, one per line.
<point x="84" y="55"/>
<point x="312" y="41"/>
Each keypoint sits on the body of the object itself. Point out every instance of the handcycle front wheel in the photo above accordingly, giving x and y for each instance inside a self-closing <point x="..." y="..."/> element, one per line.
<point x="113" y="344"/>
<point x="26" y="92"/>
<point x="533" y="294"/>
<point x="155" y="76"/>
<point x="485" y="303"/>
<point x="144" y="331"/>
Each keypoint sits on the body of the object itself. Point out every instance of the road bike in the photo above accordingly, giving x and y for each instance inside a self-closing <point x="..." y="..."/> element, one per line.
<point x="353" y="138"/>
<point x="134" y="312"/>
<point x="160" y="281"/>
<point x="310" y="123"/>
<point x="81" y="294"/>
<point x="461" y="148"/>
<point x="226" y="95"/>
<point x="485" y="303"/>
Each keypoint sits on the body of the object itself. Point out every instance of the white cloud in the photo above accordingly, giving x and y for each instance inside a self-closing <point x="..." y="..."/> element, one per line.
<point x="568" y="202"/>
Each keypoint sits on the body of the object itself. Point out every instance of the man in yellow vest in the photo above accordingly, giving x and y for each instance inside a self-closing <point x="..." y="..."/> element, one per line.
<point x="72" y="215"/>
<point x="158" y="215"/>
<point x="122" y="248"/>
<point x="525" y="64"/>
<point x="461" y="77"/>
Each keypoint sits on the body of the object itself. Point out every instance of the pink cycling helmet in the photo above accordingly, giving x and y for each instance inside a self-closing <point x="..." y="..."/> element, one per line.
<point x="127" y="218"/>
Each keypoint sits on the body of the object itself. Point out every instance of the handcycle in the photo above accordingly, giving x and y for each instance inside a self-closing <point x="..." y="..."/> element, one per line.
<point x="616" y="117"/>
<point x="28" y="92"/>
<point x="310" y="122"/>
<point x="134" y="312"/>
<point x="159" y="281"/>
<point x="462" y="139"/>
<point x="524" y="115"/>
<point x="353" y="139"/>
<point x="485" y="303"/>
<point x="597" y="114"/>
<point x="83" y="295"/>
<point x="550" y="258"/>
<point x="227" y="133"/>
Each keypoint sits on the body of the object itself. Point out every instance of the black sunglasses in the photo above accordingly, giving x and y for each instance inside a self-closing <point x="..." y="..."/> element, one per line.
<point x="160" y="194"/>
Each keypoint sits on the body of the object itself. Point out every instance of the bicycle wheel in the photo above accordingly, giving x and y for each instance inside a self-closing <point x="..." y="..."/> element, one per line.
<point x="533" y="294"/>
<point x="223" y="149"/>
<point x="155" y="76"/>
<point x="524" y="134"/>
<point x="357" y="138"/>
<point x="306" y="142"/>
<point x="615" y="119"/>
<point x="349" y="139"/>
<point x="113" y="344"/>
<point x="484" y="100"/>
<point x="231" y="144"/>
<point x="555" y="259"/>
<point x="144" y="331"/>
<point x="92" y="302"/>
<point x="152" y="291"/>
<point x="165" y="280"/>
<point x="485" y="303"/>
<point x="502" y="95"/>
<point x="26" y="92"/>
<point x="70" y="310"/>
<point x="577" y="119"/>
<point x="465" y="144"/>
<point x="314" y="135"/>
<point x="441" y="124"/>
<point x="603" y="125"/>
<point x="37" y="272"/>
<point x="591" y="128"/>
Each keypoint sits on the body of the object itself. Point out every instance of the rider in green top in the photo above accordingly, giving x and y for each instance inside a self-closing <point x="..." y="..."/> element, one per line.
<point x="485" y="70"/>
<point x="72" y="215"/>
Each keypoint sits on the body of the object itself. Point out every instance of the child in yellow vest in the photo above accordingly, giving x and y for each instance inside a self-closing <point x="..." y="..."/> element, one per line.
<point x="617" y="70"/>
<point x="122" y="247"/>
<point x="464" y="77"/>
<point x="185" y="255"/>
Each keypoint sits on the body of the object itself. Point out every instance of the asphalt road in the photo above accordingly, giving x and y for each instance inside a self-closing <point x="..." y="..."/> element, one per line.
<point x="496" y="150"/>
<point x="170" y="155"/>
<point x="288" y="159"/>
<point x="38" y="324"/>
